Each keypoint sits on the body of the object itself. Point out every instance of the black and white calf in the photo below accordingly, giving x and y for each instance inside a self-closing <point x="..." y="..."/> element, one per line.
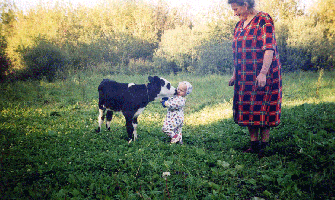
<point x="130" y="99"/>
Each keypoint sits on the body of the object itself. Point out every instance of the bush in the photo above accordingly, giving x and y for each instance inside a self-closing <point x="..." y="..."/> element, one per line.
<point x="4" y="60"/>
<point x="141" y="66"/>
<point x="215" y="57"/>
<point x="303" y="46"/>
<point x="43" y="60"/>
<point x="176" y="50"/>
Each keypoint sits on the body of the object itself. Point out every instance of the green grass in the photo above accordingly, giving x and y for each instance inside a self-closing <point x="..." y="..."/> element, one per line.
<point x="49" y="149"/>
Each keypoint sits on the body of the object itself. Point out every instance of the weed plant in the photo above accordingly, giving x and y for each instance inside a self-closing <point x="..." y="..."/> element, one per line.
<point x="50" y="150"/>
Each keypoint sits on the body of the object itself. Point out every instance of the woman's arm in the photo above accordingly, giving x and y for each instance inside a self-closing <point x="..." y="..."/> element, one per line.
<point x="267" y="60"/>
<point x="232" y="79"/>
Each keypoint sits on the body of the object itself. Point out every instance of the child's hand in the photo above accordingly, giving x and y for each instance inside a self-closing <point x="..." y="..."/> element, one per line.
<point x="163" y="101"/>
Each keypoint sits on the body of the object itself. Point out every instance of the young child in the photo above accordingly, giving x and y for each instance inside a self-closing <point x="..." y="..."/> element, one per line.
<point x="175" y="114"/>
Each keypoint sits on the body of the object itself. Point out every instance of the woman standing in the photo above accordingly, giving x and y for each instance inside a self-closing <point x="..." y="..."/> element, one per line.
<point x="257" y="74"/>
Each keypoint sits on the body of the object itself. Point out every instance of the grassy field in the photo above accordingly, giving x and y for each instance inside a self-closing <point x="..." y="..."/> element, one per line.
<point x="49" y="149"/>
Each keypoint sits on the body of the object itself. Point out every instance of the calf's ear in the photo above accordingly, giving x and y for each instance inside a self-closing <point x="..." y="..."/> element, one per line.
<point x="152" y="79"/>
<point x="162" y="82"/>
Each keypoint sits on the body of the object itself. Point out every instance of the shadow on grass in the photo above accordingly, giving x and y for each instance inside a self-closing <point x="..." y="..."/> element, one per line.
<point x="304" y="142"/>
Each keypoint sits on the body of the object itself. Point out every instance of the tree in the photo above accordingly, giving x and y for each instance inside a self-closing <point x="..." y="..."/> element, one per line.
<point x="177" y="47"/>
<point x="324" y="13"/>
<point x="324" y="16"/>
<point x="43" y="60"/>
<point x="7" y="18"/>
<point x="280" y="9"/>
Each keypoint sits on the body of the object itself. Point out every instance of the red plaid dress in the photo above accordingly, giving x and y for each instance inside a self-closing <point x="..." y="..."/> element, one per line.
<point x="255" y="106"/>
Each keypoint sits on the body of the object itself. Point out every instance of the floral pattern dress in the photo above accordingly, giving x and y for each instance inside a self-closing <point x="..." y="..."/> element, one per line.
<point x="174" y="120"/>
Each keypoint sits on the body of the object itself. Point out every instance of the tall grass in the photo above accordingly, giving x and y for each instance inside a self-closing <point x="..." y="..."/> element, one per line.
<point x="49" y="148"/>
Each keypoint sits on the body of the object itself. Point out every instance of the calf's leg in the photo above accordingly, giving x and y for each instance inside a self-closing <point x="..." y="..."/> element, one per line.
<point x="109" y="117"/>
<point x="135" y="128"/>
<point x="130" y="128"/>
<point x="100" y="119"/>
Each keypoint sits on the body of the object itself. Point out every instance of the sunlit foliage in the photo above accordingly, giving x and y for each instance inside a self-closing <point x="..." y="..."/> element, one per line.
<point x="157" y="38"/>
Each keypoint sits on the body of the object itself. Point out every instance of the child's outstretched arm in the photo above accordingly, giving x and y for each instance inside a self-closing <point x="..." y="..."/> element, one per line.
<point x="175" y="103"/>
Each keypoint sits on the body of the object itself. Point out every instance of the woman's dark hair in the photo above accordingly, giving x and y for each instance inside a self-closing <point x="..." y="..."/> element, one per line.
<point x="251" y="3"/>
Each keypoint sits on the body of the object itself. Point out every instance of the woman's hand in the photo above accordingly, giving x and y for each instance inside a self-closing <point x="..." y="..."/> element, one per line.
<point x="267" y="60"/>
<point x="232" y="81"/>
<point x="261" y="80"/>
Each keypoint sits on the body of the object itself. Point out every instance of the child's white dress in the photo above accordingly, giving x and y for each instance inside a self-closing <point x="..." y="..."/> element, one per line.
<point x="174" y="118"/>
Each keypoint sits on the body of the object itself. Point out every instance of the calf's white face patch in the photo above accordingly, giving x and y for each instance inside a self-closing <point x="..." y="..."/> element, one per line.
<point x="167" y="90"/>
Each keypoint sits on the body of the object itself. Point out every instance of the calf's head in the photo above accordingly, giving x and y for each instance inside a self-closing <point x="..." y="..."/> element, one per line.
<point x="160" y="87"/>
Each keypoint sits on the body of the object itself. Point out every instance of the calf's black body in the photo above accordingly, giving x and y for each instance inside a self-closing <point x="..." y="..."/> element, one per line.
<point x="130" y="99"/>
